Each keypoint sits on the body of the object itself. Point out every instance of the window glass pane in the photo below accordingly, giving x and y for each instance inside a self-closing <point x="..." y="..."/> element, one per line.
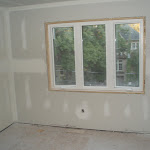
<point x="127" y="50"/>
<point x="63" y="42"/>
<point x="94" y="55"/>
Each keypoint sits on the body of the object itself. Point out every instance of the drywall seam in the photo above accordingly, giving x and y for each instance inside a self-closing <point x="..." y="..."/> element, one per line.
<point x="60" y="4"/>
<point x="11" y="73"/>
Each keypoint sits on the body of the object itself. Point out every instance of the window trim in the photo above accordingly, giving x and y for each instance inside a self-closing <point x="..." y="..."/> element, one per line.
<point x="110" y="83"/>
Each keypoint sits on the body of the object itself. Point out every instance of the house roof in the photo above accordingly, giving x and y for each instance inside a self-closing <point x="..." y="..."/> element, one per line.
<point x="133" y="34"/>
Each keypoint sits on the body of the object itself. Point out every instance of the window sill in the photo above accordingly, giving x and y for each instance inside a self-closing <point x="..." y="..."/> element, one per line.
<point x="114" y="91"/>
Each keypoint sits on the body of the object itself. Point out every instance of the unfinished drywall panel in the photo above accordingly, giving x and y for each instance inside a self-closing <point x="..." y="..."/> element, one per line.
<point x="6" y="117"/>
<point x="5" y="105"/>
<point x="29" y="39"/>
<point x="119" y="112"/>
<point x="2" y="42"/>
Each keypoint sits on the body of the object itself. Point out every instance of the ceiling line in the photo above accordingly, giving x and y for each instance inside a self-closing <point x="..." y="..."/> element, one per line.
<point x="60" y="4"/>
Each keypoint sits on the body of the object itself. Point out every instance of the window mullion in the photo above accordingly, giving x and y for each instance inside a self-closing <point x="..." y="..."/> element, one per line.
<point x="78" y="56"/>
<point x="141" y="61"/>
<point x="110" y="61"/>
<point x="52" y="69"/>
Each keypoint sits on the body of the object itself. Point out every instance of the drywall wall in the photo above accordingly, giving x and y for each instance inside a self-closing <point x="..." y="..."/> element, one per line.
<point x="35" y="104"/>
<point x="6" y="114"/>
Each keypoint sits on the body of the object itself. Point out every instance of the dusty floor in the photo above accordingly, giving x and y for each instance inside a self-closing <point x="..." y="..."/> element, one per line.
<point x="31" y="137"/>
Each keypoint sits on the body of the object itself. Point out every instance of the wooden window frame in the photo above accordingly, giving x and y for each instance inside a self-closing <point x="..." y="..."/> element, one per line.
<point x="111" y="77"/>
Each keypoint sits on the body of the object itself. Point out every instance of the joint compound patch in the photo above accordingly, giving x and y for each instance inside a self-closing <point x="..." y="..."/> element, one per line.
<point x="1" y="35"/>
<point x="82" y="111"/>
<point x="146" y="108"/>
<point x="127" y="111"/>
<point x="47" y="104"/>
<point x="65" y="107"/>
<point x="106" y="109"/>
<point x="27" y="92"/>
<point x="23" y="33"/>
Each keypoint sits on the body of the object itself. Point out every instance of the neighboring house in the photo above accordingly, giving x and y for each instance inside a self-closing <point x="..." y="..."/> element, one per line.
<point x="122" y="56"/>
<point x="121" y="67"/>
<point x="64" y="77"/>
<point x="59" y="73"/>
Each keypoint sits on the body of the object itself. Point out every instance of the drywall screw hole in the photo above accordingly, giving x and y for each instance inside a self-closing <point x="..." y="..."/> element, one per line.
<point x="82" y="110"/>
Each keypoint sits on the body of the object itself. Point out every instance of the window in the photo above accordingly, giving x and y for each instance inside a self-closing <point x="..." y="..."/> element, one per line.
<point x="125" y="34"/>
<point x="64" y="60"/>
<point x="119" y="65"/>
<point x="134" y="45"/>
<point x="96" y="55"/>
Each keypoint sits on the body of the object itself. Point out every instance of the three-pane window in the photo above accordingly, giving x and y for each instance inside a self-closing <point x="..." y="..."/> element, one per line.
<point x="96" y="55"/>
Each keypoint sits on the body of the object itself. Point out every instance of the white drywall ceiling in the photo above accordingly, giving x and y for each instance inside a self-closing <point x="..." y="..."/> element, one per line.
<point x="15" y="3"/>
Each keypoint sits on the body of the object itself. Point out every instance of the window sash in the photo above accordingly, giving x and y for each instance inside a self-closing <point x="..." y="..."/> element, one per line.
<point x="110" y="57"/>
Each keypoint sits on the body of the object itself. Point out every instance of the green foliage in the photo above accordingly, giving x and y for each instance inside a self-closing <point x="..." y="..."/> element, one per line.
<point x="94" y="53"/>
<point x="64" y="55"/>
<point x="122" y="44"/>
<point x="64" y="48"/>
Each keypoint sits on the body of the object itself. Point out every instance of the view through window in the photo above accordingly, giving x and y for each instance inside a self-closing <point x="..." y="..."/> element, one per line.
<point x="127" y="35"/>
<point x="94" y="55"/>
<point x="63" y="40"/>
<point x="97" y="55"/>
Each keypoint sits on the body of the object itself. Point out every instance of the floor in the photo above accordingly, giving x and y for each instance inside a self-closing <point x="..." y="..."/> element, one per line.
<point x="33" y="137"/>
